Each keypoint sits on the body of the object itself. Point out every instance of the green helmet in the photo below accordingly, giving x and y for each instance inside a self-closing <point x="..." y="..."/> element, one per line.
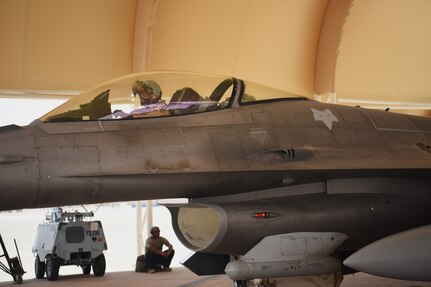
<point x="149" y="87"/>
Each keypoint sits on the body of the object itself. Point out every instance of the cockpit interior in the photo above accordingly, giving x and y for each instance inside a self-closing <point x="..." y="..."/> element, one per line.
<point x="160" y="94"/>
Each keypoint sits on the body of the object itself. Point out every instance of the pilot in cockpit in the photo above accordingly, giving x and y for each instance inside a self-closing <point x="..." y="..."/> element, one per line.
<point x="149" y="103"/>
<point x="150" y="95"/>
<point x="149" y="92"/>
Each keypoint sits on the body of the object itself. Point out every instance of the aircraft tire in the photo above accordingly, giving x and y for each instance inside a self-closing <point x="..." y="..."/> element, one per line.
<point x="39" y="268"/>
<point x="52" y="268"/>
<point x="99" y="265"/>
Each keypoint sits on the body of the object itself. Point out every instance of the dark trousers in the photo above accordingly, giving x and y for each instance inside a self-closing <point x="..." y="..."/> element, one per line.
<point x="153" y="259"/>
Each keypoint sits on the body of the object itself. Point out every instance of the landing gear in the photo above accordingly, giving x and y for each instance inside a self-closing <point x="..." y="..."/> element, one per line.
<point x="330" y="280"/>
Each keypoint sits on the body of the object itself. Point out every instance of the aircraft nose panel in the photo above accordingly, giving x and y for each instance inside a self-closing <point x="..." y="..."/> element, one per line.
<point x="19" y="172"/>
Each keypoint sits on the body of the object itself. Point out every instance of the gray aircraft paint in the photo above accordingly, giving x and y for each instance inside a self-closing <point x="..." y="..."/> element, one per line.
<point x="311" y="166"/>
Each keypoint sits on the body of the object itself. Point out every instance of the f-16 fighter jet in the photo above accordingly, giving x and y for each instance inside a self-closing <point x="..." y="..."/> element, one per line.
<point x="278" y="185"/>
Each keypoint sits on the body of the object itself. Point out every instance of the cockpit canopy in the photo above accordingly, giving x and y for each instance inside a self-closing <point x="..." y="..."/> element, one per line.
<point x="159" y="94"/>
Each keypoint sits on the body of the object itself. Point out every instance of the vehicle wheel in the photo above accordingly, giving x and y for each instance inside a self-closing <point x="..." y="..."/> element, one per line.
<point x="39" y="268"/>
<point x="52" y="268"/>
<point x="99" y="265"/>
<point x="86" y="269"/>
<point x="18" y="279"/>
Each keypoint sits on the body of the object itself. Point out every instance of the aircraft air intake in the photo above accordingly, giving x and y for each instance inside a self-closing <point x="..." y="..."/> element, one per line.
<point x="199" y="227"/>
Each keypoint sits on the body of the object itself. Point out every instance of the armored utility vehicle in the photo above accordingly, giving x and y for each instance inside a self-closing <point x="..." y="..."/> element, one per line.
<point x="68" y="239"/>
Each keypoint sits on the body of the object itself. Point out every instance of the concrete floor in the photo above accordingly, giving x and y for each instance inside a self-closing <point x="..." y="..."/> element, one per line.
<point x="181" y="277"/>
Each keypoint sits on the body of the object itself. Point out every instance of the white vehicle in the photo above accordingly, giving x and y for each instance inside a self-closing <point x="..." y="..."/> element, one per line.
<point x="69" y="240"/>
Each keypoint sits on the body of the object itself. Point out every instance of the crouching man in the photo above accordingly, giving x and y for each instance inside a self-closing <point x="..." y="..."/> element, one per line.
<point x="155" y="258"/>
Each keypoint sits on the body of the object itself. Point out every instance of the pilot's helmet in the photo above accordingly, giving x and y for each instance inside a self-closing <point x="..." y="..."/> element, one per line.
<point x="149" y="91"/>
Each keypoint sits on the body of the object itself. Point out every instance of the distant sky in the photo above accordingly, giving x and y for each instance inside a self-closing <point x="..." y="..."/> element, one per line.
<point x="23" y="111"/>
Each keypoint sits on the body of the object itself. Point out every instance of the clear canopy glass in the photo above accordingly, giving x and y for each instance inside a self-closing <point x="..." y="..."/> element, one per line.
<point x="256" y="93"/>
<point x="160" y="94"/>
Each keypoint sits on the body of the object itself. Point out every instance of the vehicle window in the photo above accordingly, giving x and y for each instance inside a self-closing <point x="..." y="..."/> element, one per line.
<point x="147" y="95"/>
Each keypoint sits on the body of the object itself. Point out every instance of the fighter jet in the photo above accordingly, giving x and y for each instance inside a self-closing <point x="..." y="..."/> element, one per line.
<point x="278" y="185"/>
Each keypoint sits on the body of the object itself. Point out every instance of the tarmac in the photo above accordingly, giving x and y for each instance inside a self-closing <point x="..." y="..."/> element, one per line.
<point x="181" y="277"/>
